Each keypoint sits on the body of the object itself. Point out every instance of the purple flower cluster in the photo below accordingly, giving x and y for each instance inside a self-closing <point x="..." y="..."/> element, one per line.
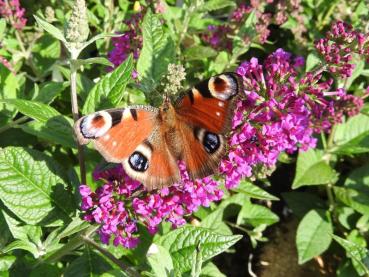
<point x="129" y="43"/>
<point x="280" y="112"/>
<point x="13" y="12"/>
<point x="339" y="45"/>
<point x="121" y="203"/>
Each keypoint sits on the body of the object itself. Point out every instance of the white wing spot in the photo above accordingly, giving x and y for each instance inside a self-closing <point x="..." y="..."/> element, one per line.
<point x="217" y="113"/>
<point x="220" y="104"/>
<point x="106" y="137"/>
<point x="114" y="143"/>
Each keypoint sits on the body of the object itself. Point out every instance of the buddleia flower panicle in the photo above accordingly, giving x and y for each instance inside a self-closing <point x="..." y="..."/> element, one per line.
<point x="77" y="30"/>
<point x="121" y="204"/>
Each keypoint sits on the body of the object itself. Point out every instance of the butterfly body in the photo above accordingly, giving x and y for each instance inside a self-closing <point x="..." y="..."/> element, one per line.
<point x="150" y="141"/>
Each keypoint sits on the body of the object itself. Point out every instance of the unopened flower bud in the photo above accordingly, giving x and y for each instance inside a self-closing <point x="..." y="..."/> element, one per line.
<point x="77" y="27"/>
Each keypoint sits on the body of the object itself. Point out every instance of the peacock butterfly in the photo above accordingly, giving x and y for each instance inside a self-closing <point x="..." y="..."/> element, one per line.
<point x="149" y="141"/>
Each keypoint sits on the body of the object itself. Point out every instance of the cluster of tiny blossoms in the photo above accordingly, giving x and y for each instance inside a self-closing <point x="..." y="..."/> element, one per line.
<point x="338" y="47"/>
<point x="280" y="112"/>
<point x="121" y="203"/>
<point x="13" y="12"/>
<point x="129" y="43"/>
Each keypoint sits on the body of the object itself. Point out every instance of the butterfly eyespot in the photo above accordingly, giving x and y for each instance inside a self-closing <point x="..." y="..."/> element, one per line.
<point x="138" y="162"/>
<point x="211" y="142"/>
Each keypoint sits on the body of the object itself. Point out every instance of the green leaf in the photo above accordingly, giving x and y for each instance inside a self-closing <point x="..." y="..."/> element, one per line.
<point x="31" y="186"/>
<point x="353" y="198"/>
<point x="312" y="169"/>
<point x="157" y="52"/>
<point x="89" y="264"/>
<point x="46" y="270"/>
<point x="313" y="235"/>
<point x="57" y="129"/>
<point x="6" y="262"/>
<point x="254" y="191"/>
<point x="256" y="215"/>
<point x="108" y="92"/>
<point x="55" y="32"/>
<point x="215" y="223"/>
<point x="182" y="242"/>
<point x="23" y="231"/>
<point x="48" y="91"/>
<point x="45" y="53"/>
<point x="2" y="29"/>
<point x="35" y="110"/>
<point x="211" y="270"/>
<point x="24" y="245"/>
<point x="352" y="136"/>
<point x="97" y="37"/>
<point x="213" y="5"/>
<point x="358" y="254"/>
<point x="311" y="62"/>
<point x="302" y="202"/>
<point x="199" y="52"/>
<point x="97" y="60"/>
<point x="75" y="226"/>
<point x="160" y="261"/>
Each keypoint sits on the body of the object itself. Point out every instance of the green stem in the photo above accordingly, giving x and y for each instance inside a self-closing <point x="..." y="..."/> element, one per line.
<point x="332" y="203"/>
<point x="128" y="270"/>
<point x="74" y="101"/>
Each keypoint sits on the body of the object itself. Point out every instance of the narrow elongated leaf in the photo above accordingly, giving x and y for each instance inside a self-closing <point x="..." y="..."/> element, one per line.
<point x="157" y="52"/>
<point x="49" y="91"/>
<point x="52" y="30"/>
<point x="24" y="245"/>
<point x="182" y="242"/>
<point x="33" y="109"/>
<point x="313" y="235"/>
<point x="108" y="92"/>
<point x="358" y="254"/>
<point x="213" y="5"/>
<point x="31" y="186"/>
<point x="312" y="169"/>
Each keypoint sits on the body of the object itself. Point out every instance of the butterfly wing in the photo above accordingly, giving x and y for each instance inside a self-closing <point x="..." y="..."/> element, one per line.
<point x="210" y="103"/>
<point x="131" y="136"/>
<point x="205" y="115"/>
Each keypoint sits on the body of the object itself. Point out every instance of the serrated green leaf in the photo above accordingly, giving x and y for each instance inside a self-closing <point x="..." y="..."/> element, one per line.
<point x="358" y="254"/>
<point x="31" y="186"/>
<point x="157" y="52"/>
<point x="256" y="215"/>
<point x="313" y="235"/>
<point x="312" y="169"/>
<point x="254" y="191"/>
<point x="52" y="30"/>
<point x="35" y="110"/>
<point x="352" y="136"/>
<point x="109" y="91"/>
<point x="160" y="261"/>
<point x="182" y="242"/>
<point x="89" y="264"/>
